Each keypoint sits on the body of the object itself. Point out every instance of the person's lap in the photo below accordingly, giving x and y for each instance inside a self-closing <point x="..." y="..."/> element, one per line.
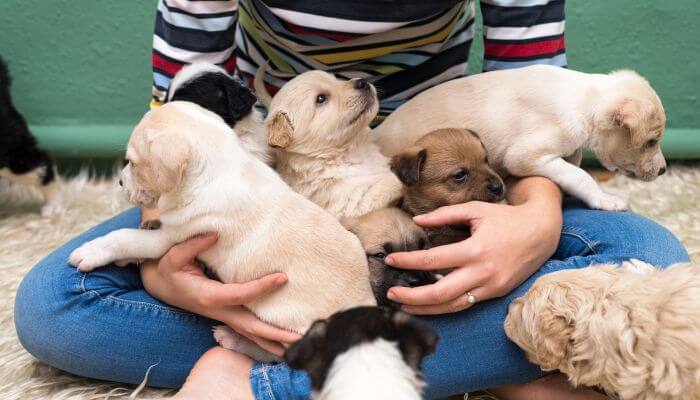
<point x="104" y="325"/>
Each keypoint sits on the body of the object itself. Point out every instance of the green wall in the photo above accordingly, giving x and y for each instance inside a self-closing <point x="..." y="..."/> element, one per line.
<point x="82" y="78"/>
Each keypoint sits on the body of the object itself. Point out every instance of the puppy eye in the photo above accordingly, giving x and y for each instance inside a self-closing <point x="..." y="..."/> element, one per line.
<point x="125" y="162"/>
<point x="422" y="244"/>
<point x="651" y="143"/>
<point x="380" y="255"/>
<point x="460" y="175"/>
<point x="321" y="98"/>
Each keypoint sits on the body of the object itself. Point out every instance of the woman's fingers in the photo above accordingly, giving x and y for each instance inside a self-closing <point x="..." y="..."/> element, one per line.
<point x="451" y="215"/>
<point x="447" y="256"/>
<point x="458" y="304"/>
<point x="233" y="294"/>
<point x="183" y="253"/>
<point x="245" y="322"/>
<point x="441" y="292"/>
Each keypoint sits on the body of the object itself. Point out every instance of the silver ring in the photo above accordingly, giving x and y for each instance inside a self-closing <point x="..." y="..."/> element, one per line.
<point x="471" y="298"/>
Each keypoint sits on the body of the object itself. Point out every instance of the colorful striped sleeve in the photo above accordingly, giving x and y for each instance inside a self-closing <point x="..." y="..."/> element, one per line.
<point x="518" y="33"/>
<point x="187" y="31"/>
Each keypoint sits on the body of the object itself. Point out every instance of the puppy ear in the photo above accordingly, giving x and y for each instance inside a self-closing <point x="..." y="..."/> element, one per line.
<point x="350" y="223"/>
<point x="170" y="155"/>
<point x="279" y="130"/>
<point x="240" y="101"/>
<point x="416" y="339"/>
<point x="628" y="114"/>
<point x="307" y="353"/>
<point x="407" y="165"/>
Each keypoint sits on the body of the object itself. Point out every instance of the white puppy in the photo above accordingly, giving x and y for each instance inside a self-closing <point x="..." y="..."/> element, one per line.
<point x="184" y="161"/>
<point x="320" y="124"/>
<point x="536" y="121"/>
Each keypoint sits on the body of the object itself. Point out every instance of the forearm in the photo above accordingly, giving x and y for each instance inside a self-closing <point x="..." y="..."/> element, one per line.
<point x="541" y="200"/>
<point x="536" y="191"/>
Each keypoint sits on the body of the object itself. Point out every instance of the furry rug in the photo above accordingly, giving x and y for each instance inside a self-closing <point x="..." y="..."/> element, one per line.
<point x="25" y="238"/>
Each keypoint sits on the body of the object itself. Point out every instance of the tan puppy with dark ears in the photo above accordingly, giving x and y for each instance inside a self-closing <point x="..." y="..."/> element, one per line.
<point x="443" y="168"/>
<point x="536" y="121"/>
<point x="632" y="329"/>
<point x="184" y="161"/>
<point x="381" y="233"/>
<point x="320" y="124"/>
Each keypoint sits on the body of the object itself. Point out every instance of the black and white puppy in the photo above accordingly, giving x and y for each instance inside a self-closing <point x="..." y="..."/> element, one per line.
<point x="212" y="88"/>
<point x="368" y="353"/>
<point x="21" y="160"/>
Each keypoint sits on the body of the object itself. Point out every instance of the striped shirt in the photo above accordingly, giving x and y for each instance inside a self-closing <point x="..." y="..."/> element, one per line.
<point x="401" y="46"/>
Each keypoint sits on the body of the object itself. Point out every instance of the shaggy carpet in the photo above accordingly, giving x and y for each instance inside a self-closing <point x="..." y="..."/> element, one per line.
<point x="25" y="238"/>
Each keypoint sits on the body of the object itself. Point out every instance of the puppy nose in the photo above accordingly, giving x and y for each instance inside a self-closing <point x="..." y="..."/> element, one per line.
<point x="495" y="187"/>
<point x="361" y="84"/>
<point x="413" y="281"/>
<point x="662" y="171"/>
<point x="120" y="183"/>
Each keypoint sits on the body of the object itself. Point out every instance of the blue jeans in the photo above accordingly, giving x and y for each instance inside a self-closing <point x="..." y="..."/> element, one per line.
<point x="104" y="325"/>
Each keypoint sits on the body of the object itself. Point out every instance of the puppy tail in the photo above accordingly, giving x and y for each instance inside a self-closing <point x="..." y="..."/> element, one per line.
<point x="259" y="86"/>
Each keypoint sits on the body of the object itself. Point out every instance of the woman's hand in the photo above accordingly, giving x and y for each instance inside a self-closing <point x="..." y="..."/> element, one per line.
<point x="177" y="280"/>
<point x="508" y="244"/>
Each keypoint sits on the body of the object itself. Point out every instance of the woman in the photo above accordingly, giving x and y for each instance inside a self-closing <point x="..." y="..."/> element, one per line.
<point x="113" y="323"/>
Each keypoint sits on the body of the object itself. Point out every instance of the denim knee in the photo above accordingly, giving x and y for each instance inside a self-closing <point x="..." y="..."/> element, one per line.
<point x="38" y="312"/>
<point x="617" y="236"/>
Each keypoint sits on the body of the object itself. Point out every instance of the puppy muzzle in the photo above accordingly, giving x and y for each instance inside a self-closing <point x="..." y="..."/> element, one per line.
<point x="649" y="173"/>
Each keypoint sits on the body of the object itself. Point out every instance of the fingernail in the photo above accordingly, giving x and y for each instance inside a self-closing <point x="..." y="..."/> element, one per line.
<point x="389" y="260"/>
<point x="390" y="295"/>
<point x="281" y="278"/>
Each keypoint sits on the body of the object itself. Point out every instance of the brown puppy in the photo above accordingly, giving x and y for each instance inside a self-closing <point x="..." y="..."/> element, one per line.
<point x="382" y="232"/>
<point x="443" y="168"/>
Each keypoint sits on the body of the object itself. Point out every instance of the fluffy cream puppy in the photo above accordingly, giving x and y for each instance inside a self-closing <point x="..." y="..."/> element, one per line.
<point x="536" y="121"/>
<point x="184" y="161"/>
<point x="633" y="329"/>
<point x="320" y="124"/>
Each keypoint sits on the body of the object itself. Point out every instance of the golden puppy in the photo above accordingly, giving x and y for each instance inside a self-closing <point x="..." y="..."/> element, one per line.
<point x="633" y="329"/>
<point x="320" y="124"/>
<point x="446" y="167"/>
<point x="208" y="182"/>
<point x="536" y="121"/>
<point x="381" y="233"/>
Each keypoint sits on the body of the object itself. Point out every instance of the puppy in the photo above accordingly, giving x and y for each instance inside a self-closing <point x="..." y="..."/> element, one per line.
<point x="21" y="160"/>
<point x="381" y="233"/>
<point x="446" y="167"/>
<point x="364" y="353"/>
<point x="207" y="182"/>
<point x="633" y="329"/>
<point x="211" y="87"/>
<point x="320" y="124"/>
<point x="536" y="121"/>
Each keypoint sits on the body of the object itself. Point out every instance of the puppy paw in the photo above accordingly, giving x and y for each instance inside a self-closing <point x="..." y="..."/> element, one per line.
<point x="49" y="210"/>
<point x="637" y="266"/>
<point x="230" y="339"/>
<point x="91" y="255"/>
<point x="607" y="202"/>
<point x="227" y="337"/>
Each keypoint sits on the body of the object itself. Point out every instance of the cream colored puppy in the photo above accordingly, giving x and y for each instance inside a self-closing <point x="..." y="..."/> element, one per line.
<point x="633" y="329"/>
<point x="536" y="121"/>
<point x="184" y="161"/>
<point x="320" y="124"/>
